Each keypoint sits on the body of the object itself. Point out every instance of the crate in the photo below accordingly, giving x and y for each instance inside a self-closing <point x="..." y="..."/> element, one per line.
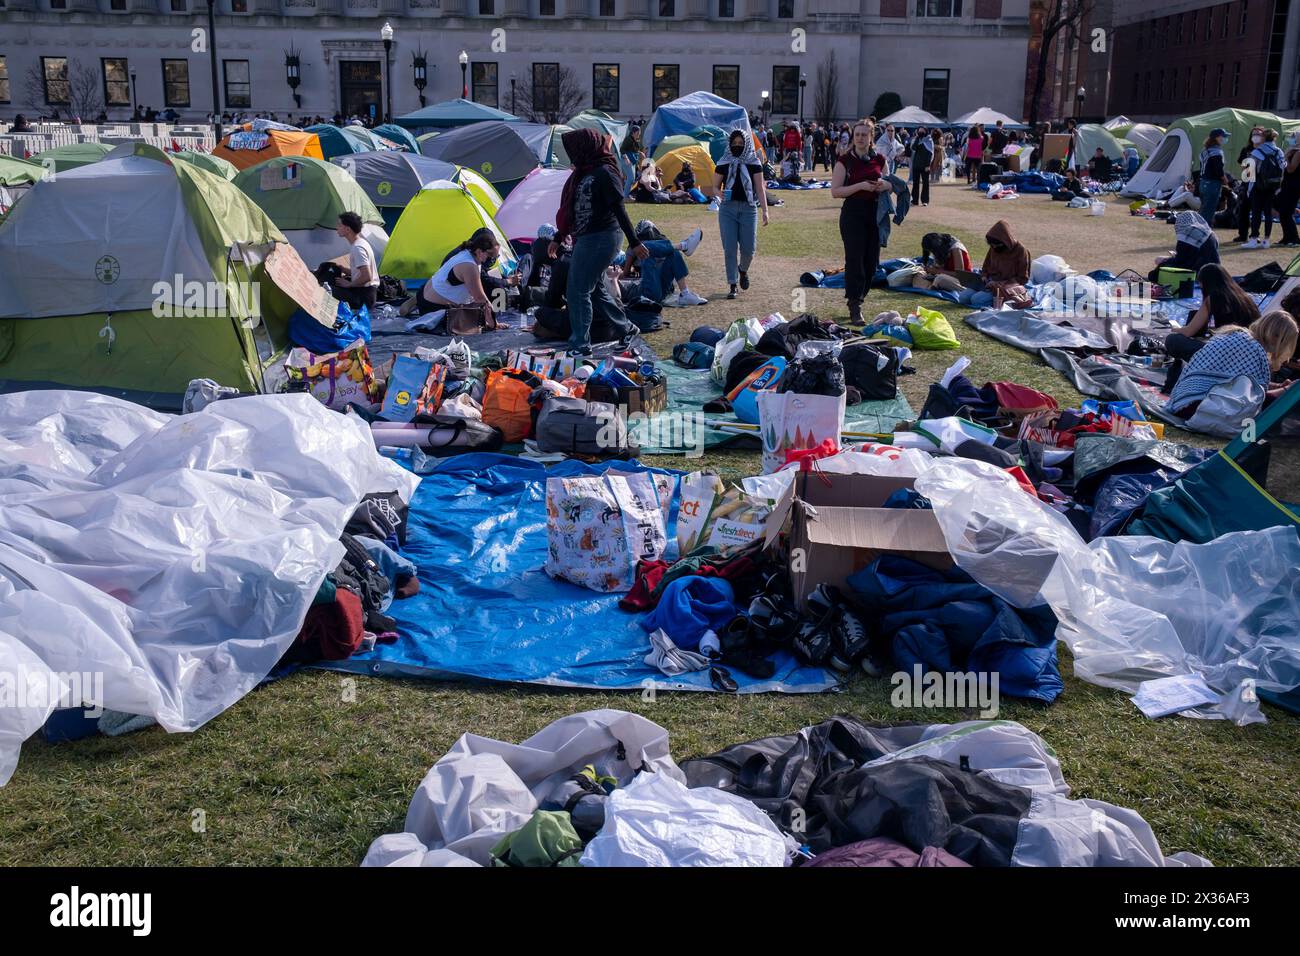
<point x="646" y="399"/>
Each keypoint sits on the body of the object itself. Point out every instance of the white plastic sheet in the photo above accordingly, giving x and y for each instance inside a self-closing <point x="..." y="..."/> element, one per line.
<point x="176" y="556"/>
<point x="1132" y="608"/>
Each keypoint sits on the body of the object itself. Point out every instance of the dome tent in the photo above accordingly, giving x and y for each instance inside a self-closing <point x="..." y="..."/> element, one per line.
<point x="397" y="135"/>
<point x="701" y="163"/>
<point x="1092" y="137"/>
<point x="502" y="153"/>
<point x="534" y="201"/>
<point x="257" y="142"/>
<point x="213" y="164"/>
<point x="453" y="113"/>
<point x="392" y="178"/>
<point x="694" y="109"/>
<point x="601" y="122"/>
<point x="304" y="198"/>
<point x="439" y="218"/>
<point x="676" y="141"/>
<point x="1173" y="161"/>
<point x="72" y="156"/>
<point x="17" y="176"/>
<point x="89" y="261"/>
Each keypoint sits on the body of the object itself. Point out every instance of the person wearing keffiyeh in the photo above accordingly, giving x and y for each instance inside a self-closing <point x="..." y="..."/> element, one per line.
<point x="1197" y="245"/>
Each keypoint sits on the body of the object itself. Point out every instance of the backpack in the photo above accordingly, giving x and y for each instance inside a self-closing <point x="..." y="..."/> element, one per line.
<point x="693" y="355"/>
<point x="577" y="427"/>
<point x="872" y="371"/>
<point x="1268" y="171"/>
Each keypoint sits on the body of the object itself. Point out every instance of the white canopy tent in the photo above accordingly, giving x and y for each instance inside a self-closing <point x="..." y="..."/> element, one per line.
<point x="912" y="116"/>
<point x="987" y="116"/>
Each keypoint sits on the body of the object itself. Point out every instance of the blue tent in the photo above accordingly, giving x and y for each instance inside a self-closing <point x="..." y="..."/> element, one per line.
<point x="333" y="141"/>
<point x="453" y="113"/>
<point x="395" y="134"/>
<point x="693" y="110"/>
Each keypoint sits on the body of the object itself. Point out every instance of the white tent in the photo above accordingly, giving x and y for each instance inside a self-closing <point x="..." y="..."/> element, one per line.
<point x="912" y="116"/>
<point x="988" y="116"/>
<point x="1117" y="122"/>
<point x="1167" y="168"/>
<point x="1145" y="137"/>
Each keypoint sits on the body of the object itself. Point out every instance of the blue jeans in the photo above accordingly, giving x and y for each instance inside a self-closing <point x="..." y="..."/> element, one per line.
<point x="586" y="294"/>
<point x="1209" y="192"/>
<point x="738" y="227"/>
<point x="665" y="266"/>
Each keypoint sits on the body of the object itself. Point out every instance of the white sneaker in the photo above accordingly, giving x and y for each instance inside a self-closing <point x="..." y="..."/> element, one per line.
<point x="673" y="301"/>
<point x="690" y="243"/>
<point x="1263" y="244"/>
<point x="1250" y="244"/>
<point x="690" y="298"/>
<point x="713" y="206"/>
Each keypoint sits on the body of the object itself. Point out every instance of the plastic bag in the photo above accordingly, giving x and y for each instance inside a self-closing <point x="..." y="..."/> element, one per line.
<point x="657" y="821"/>
<point x="742" y="334"/>
<point x="712" y="514"/>
<point x="507" y="404"/>
<point x="930" y="330"/>
<point x="600" y="526"/>
<point x="1049" y="269"/>
<point x="1226" y="407"/>
<point x="336" y="379"/>
<point x="788" y="420"/>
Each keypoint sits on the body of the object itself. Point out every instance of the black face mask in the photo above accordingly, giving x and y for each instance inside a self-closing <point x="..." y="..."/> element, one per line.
<point x="738" y="149"/>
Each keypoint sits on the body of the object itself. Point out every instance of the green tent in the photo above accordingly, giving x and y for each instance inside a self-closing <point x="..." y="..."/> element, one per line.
<point x="299" y="192"/>
<point x="90" y="259"/>
<point x="213" y="164"/>
<point x="397" y="135"/>
<point x="601" y="122"/>
<point x="20" y="172"/>
<point x="677" y="141"/>
<point x="1237" y="122"/>
<point x="73" y="155"/>
<point x="440" y="217"/>
<point x="1093" y="137"/>
<point x="714" y="138"/>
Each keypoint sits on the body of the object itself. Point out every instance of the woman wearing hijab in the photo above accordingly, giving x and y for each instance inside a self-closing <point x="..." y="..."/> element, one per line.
<point x="859" y="180"/>
<point x="739" y="184"/>
<point x="592" y="212"/>
<point x="1005" y="270"/>
<point x="1196" y="244"/>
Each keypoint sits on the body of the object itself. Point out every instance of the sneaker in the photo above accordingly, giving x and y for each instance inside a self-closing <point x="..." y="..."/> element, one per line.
<point x="731" y="294"/>
<point x="744" y="280"/>
<point x="687" y="297"/>
<point x="673" y="301"/>
<point x="848" y="640"/>
<point x="713" y="206"/>
<point x="1251" y="243"/>
<point x="692" y="241"/>
<point x="1263" y="244"/>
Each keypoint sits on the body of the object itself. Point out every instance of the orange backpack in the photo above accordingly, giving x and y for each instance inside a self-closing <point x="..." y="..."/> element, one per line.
<point x="506" y="405"/>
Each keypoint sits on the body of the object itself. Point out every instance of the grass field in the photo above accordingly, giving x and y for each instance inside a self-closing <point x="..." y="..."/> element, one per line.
<point x="308" y="770"/>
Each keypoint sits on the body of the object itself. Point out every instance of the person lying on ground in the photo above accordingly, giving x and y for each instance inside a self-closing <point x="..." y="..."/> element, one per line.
<point x="664" y="265"/>
<point x="1223" y="302"/>
<point x="1196" y="245"/>
<point x="459" y="281"/>
<point x="1256" y="353"/>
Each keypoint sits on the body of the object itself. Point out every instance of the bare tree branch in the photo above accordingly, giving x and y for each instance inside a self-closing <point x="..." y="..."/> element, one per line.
<point x="826" y="99"/>
<point x="553" y="102"/>
<point x="1061" y="15"/>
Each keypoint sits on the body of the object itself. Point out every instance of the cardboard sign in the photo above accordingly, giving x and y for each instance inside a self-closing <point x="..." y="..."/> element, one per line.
<point x="292" y="277"/>
<point x="285" y="177"/>
<point x="1055" y="146"/>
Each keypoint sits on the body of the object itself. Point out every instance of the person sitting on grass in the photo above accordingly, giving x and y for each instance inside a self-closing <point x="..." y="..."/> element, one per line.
<point x="684" y="186"/>
<point x="1256" y="353"/>
<point x="1072" y="188"/>
<point x="1005" y="271"/>
<point x="944" y="254"/>
<point x="664" y="265"/>
<point x="1196" y="247"/>
<point x="1222" y="301"/>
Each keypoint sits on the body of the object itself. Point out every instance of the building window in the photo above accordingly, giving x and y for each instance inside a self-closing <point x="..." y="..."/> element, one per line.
<point x="546" y="88"/>
<point x="58" y="4"/>
<point x="239" y="91"/>
<point x="604" y="87"/>
<point x="486" y="8"/>
<point x="180" y="6"/>
<point x="726" y="83"/>
<point x="238" y="6"/>
<point x="785" y="89"/>
<point x="1236" y="80"/>
<point x="1178" y="29"/>
<point x="726" y="9"/>
<point x="117" y="82"/>
<point x="934" y="92"/>
<point x="938" y="8"/>
<point x="483" y="77"/>
<point x="607" y="8"/>
<point x="663" y="88"/>
<point x="1241" y="26"/>
<point x="1137" y="83"/>
<point x="667" y="8"/>
<point x="176" y="83"/>
<point x="1187" y="85"/>
<point x="1191" y="33"/>
<point x="785" y="9"/>
<point x="1204" y="75"/>
<point x="4" y="80"/>
<point x="117" y="5"/>
<point x="1223" y="32"/>
<point x="1218" y="82"/>
<point x="546" y="8"/>
<point x="54" y="72"/>
<point x="1146" y="88"/>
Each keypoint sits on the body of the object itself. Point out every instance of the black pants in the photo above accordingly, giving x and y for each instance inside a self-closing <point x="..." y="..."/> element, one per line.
<point x="861" y="238"/>
<point x="1183" y="346"/>
<point x="1287" y="197"/>
<point x="1261" y="209"/>
<point x="359" y="296"/>
<point x="920" y="186"/>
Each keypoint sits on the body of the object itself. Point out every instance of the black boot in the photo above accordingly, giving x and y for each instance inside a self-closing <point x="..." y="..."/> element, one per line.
<point x="855" y="313"/>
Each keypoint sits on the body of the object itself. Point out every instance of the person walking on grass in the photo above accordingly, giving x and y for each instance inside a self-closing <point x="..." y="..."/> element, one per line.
<point x="742" y="192"/>
<point x="921" y="157"/>
<point x="859" y="180"/>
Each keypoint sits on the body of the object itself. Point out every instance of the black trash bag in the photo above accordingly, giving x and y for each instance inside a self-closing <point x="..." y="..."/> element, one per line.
<point x="815" y="375"/>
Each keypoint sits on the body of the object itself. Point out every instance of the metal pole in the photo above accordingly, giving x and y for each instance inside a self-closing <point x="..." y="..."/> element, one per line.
<point x="388" y="80"/>
<point x="212" y="54"/>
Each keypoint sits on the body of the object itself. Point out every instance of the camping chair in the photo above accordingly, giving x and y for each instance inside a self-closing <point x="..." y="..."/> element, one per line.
<point x="1218" y="496"/>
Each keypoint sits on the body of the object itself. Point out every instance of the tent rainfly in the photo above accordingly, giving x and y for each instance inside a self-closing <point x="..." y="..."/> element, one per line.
<point x="441" y="216"/>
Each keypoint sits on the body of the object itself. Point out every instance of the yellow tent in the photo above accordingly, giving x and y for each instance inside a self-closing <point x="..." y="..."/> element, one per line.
<point x="701" y="163"/>
<point x="440" y="217"/>
<point x="480" y="188"/>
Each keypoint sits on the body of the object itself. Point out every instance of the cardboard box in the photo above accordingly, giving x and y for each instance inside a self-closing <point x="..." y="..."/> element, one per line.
<point x="1055" y="146"/>
<point x="646" y="399"/>
<point x="1013" y="163"/>
<point x="837" y="527"/>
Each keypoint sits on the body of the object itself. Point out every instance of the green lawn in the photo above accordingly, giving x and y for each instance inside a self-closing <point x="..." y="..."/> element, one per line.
<point x="310" y="769"/>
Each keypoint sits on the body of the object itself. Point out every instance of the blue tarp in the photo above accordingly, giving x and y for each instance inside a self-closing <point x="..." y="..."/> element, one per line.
<point x="808" y="184"/>
<point x="486" y="610"/>
<point x="687" y="112"/>
<point x="1032" y="182"/>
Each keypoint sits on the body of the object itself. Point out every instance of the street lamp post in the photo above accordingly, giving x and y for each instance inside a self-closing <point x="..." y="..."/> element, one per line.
<point x="763" y="107"/>
<point x="420" y="68"/>
<point x="512" y="91"/>
<point x="464" y="65"/>
<point x="293" y="74"/>
<point x="803" y="83"/>
<point x="212" y="57"/>
<point x="386" y="34"/>
<point x="1079" y="98"/>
